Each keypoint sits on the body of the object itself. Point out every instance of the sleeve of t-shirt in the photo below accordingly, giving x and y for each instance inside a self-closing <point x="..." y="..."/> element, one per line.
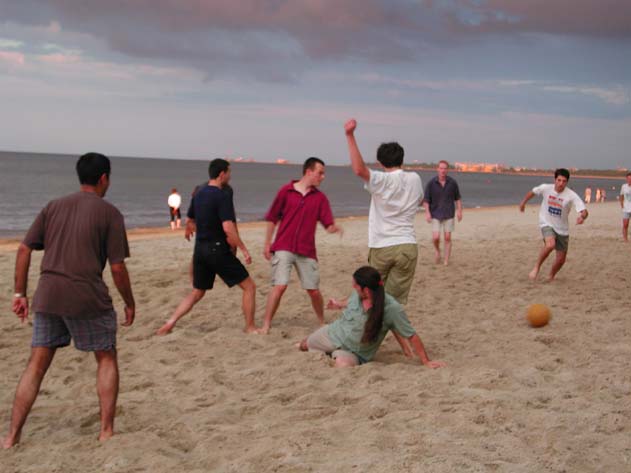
<point x="117" y="245"/>
<point x="326" y="215"/>
<point x="427" y="197"/>
<point x="34" y="238"/>
<point x="275" y="212"/>
<point x="539" y="189"/>
<point x="226" y="209"/>
<point x="376" y="184"/>
<point x="191" y="209"/>
<point x="457" y="195"/>
<point x="400" y="322"/>
<point x="622" y="189"/>
<point x="579" y="205"/>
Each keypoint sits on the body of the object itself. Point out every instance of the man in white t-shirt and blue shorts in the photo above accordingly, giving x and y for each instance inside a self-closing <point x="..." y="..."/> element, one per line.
<point x="625" y="203"/>
<point x="557" y="200"/>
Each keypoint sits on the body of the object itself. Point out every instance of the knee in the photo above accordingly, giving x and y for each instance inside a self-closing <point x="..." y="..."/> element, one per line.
<point x="447" y="237"/>
<point x="279" y="290"/>
<point x="343" y="362"/>
<point x="314" y="293"/>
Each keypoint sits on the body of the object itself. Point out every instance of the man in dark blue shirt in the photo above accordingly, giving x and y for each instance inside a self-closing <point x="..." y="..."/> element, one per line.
<point x="442" y="202"/>
<point x="216" y="242"/>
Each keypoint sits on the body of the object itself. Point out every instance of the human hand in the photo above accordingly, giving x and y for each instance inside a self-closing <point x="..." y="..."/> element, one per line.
<point x="267" y="253"/>
<point x="189" y="230"/>
<point x="522" y="207"/>
<point x="459" y="215"/>
<point x="579" y="220"/>
<point x="349" y="126"/>
<point x="428" y="217"/>
<point x="334" y="304"/>
<point x="130" y="315"/>
<point x="247" y="257"/>
<point x="20" y="308"/>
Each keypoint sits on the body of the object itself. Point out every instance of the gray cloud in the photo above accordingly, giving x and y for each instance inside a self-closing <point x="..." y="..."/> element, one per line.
<point x="277" y="39"/>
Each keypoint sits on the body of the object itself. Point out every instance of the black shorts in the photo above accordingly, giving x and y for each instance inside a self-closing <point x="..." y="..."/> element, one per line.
<point x="212" y="258"/>
<point x="175" y="213"/>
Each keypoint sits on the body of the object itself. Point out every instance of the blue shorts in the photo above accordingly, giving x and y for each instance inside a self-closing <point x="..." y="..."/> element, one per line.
<point x="93" y="333"/>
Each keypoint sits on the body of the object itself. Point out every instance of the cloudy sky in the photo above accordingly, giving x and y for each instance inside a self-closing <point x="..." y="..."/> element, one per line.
<point x="520" y="82"/>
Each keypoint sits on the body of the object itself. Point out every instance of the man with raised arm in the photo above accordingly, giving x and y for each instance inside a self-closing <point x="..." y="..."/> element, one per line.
<point x="79" y="234"/>
<point x="296" y="210"/>
<point x="216" y="242"/>
<point x="557" y="201"/>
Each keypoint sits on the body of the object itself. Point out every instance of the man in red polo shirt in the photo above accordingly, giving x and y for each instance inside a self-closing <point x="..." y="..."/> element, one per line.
<point x="297" y="209"/>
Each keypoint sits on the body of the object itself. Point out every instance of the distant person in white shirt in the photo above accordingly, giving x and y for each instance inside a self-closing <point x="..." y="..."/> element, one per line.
<point x="625" y="203"/>
<point x="588" y="195"/>
<point x="174" y="201"/>
<point x="557" y="200"/>
<point x="395" y="197"/>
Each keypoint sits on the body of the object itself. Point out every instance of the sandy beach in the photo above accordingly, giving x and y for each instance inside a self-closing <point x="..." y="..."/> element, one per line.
<point x="210" y="398"/>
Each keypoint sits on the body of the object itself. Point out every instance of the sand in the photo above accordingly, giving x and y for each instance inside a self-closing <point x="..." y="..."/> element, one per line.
<point x="209" y="398"/>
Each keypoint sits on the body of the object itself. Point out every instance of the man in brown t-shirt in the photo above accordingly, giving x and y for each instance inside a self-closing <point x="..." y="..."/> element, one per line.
<point x="79" y="233"/>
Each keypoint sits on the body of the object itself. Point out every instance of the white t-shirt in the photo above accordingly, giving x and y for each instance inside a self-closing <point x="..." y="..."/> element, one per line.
<point x="396" y="196"/>
<point x="555" y="207"/>
<point x="625" y="190"/>
<point x="174" y="201"/>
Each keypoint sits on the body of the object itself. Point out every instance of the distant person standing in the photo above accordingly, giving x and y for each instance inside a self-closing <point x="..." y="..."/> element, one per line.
<point x="395" y="197"/>
<point x="625" y="203"/>
<point x="557" y="200"/>
<point x="296" y="211"/>
<point x="174" y="201"/>
<point x="79" y="234"/>
<point x="442" y="203"/>
<point x="216" y="241"/>
<point x="588" y="195"/>
<point x="598" y="194"/>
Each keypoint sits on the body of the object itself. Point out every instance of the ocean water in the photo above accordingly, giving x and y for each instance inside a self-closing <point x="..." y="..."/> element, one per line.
<point x="140" y="187"/>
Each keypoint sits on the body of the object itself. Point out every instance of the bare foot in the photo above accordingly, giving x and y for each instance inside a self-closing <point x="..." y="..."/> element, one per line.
<point x="446" y="262"/>
<point x="533" y="274"/>
<point x="302" y="345"/>
<point x="251" y="329"/>
<point x="166" y="328"/>
<point x="103" y="436"/>
<point x="550" y="278"/>
<point x="9" y="442"/>
<point x="264" y="330"/>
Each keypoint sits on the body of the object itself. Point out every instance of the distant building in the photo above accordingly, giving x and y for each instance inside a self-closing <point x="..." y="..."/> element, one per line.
<point x="479" y="167"/>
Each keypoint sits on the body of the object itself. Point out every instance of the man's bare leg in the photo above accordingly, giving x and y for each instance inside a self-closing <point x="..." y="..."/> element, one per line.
<point x="248" y="303"/>
<point x="548" y="246"/>
<point x="26" y="392"/>
<point x="107" y="390"/>
<point x="185" y="306"/>
<point x="273" y="301"/>
<point x="447" y="247"/>
<point x="559" y="261"/>
<point x="317" y="302"/>
<point x="625" y="229"/>
<point x="436" y="241"/>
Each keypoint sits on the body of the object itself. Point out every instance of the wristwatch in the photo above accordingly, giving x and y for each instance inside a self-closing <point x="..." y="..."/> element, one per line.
<point x="17" y="295"/>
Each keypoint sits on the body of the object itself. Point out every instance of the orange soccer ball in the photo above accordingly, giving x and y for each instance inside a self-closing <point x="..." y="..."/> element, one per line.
<point x="538" y="315"/>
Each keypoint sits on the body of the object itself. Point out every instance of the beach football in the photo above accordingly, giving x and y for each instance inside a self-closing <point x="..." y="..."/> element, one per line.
<point x="538" y="315"/>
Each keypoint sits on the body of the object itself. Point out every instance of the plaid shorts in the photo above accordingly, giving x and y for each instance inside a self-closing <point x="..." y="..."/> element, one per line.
<point x="92" y="333"/>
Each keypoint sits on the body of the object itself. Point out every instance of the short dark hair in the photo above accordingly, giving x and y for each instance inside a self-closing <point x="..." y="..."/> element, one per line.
<point x="91" y="166"/>
<point x="562" y="172"/>
<point x="216" y="167"/>
<point x="310" y="163"/>
<point x="390" y="155"/>
<point x="629" y="174"/>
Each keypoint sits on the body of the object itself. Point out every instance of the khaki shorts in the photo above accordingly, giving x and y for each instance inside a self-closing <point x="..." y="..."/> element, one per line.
<point x="561" y="242"/>
<point x="320" y="341"/>
<point x="397" y="265"/>
<point x="446" y="226"/>
<point x="307" y="269"/>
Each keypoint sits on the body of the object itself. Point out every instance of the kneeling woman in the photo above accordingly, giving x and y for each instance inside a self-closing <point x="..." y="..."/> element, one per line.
<point x="369" y="313"/>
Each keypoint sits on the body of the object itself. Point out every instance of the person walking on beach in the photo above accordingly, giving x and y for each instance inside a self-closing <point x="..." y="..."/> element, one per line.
<point x="216" y="242"/>
<point x="442" y="203"/>
<point x="79" y="234"/>
<point x="368" y="314"/>
<point x="625" y="204"/>
<point x="395" y="197"/>
<point x="296" y="211"/>
<point x="557" y="200"/>
<point x="588" y="195"/>
<point x="174" y="201"/>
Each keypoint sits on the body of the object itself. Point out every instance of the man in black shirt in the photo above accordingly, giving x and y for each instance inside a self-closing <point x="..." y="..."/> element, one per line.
<point x="216" y="241"/>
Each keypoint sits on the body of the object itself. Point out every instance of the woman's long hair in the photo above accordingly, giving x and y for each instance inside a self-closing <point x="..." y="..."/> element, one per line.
<point x="369" y="277"/>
